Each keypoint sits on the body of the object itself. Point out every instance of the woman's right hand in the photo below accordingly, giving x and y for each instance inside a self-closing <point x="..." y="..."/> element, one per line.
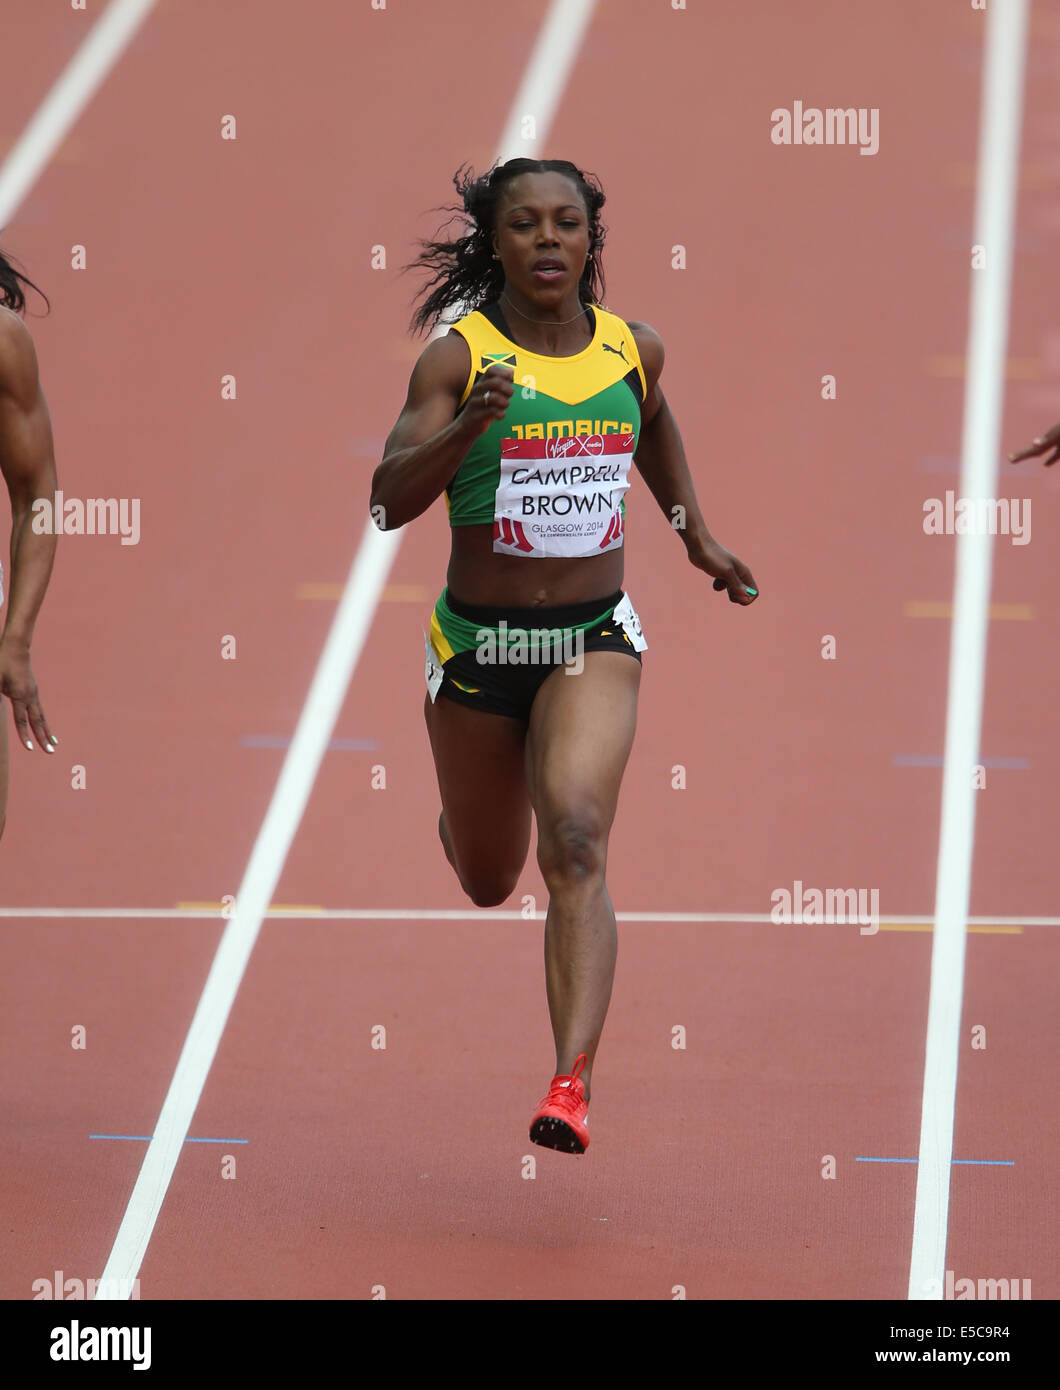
<point x="498" y="383"/>
<point x="433" y="433"/>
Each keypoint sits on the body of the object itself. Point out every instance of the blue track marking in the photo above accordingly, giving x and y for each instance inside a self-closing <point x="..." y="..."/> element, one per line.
<point x="149" y="1137"/>
<point x="935" y="760"/>
<point x="336" y="745"/>
<point x="990" y="1162"/>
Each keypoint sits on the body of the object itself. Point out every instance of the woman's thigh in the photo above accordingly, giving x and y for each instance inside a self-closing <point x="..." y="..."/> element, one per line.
<point x="581" y="732"/>
<point x="478" y="758"/>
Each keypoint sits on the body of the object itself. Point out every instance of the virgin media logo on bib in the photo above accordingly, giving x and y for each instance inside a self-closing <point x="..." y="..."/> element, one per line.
<point x="574" y="446"/>
<point x="561" y="496"/>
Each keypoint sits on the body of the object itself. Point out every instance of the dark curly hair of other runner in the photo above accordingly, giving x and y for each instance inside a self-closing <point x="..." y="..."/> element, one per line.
<point x="11" y="292"/>
<point x="464" y="272"/>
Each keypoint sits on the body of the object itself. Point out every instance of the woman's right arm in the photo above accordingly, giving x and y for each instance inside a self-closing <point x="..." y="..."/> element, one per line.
<point x="430" y="441"/>
<point x="27" y="463"/>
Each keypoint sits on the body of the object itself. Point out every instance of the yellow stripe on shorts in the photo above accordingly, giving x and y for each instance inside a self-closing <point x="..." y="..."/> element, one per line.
<point x="438" y="639"/>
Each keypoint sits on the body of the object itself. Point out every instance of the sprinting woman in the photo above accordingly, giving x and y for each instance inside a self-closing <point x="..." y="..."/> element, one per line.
<point x="527" y="416"/>
<point x="28" y="466"/>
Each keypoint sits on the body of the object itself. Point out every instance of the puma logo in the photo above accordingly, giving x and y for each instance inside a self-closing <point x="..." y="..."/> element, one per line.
<point x="618" y="351"/>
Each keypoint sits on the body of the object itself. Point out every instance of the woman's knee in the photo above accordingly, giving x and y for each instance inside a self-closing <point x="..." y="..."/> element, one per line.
<point x="489" y="889"/>
<point x="488" y="883"/>
<point x="573" y="847"/>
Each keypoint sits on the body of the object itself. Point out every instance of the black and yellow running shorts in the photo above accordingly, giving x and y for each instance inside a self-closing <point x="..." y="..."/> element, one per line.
<point x="496" y="659"/>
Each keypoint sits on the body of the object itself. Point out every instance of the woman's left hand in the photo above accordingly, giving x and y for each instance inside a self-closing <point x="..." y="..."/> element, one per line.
<point x="18" y="684"/>
<point x="727" y="570"/>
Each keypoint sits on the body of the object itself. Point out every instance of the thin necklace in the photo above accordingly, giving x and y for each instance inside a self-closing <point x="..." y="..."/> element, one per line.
<point x="558" y="323"/>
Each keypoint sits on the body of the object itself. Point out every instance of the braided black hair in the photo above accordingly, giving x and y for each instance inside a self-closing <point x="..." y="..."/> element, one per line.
<point x="464" y="272"/>
<point x="11" y="291"/>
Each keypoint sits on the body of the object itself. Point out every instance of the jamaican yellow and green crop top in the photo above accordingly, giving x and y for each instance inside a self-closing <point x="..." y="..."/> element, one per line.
<point x="552" y="475"/>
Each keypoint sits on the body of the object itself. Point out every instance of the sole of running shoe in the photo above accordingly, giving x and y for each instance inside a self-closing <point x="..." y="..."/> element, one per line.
<point x="551" y="1133"/>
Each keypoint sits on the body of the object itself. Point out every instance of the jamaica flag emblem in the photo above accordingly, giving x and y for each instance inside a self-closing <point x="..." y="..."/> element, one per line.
<point x="498" y="359"/>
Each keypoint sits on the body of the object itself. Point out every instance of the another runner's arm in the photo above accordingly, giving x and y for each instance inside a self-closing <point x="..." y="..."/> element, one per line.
<point x="430" y="440"/>
<point x="27" y="461"/>
<point x="661" y="462"/>
<point x="1049" y="440"/>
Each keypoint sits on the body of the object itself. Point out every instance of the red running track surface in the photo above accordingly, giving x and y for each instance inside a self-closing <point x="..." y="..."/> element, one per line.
<point x="405" y="1167"/>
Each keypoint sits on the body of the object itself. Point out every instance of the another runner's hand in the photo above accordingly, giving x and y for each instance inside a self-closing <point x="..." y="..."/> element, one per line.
<point x="17" y="683"/>
<point x="499" y="383"/>
<point x="728" y="572"/>
<point x="1045" y="442"/>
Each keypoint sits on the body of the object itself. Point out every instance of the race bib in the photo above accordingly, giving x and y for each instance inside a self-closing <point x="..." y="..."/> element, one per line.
<point x="561" y="496"/>
<point x="626" y="616"/>
<point x="433" y="673"/>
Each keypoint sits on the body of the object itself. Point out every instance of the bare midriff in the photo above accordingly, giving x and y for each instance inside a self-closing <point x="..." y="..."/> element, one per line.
<point x="478" y="575"/>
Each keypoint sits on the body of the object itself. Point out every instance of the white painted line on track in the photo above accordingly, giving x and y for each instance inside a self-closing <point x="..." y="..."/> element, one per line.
<point x="78" y="83"/>
<point x="545" y="77"/>
<point x="343" y="647"/>
<point x="999" y="134"/>
<point x="547" y="73"/>
<point x="459" y="914"/>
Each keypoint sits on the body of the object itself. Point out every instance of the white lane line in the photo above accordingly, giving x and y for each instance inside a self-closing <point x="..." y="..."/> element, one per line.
<point x="553" y="57"/>
<point x="349" y="631"/>
<point x="457" y="914"/>
<point x="999" y="133"/>
<point x="78" y="83"/>
<point x="545" y="78"/>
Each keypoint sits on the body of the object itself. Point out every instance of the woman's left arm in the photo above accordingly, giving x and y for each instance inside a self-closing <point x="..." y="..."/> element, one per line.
<point x="660" y="459"/>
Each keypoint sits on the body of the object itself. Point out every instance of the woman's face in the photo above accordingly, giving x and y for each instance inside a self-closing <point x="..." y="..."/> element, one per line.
<point x="541" y="219"/>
